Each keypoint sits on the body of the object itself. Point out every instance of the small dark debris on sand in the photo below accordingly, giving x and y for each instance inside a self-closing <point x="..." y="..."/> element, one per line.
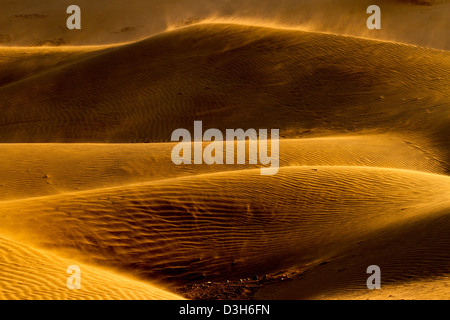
<point x="29" y="16"/>
<point x="242" y="289"/>
<point x="126" y="29"/>
<point x="187" y="22"/>
<point x="53" y="43"/>
<point x="5" y="38"/>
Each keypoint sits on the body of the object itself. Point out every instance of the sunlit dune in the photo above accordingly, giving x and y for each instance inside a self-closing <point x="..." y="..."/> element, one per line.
<point x="87" y="175"/>
<point x="36" y="170"/>
<point x="434" y="288"/>
<point x="27" y="273"/>
<point x="218" y="226"/>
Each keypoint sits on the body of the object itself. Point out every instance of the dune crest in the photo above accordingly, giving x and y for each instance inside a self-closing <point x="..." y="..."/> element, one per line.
<point x="121" y="227"/>
<point x="39" y="23"/>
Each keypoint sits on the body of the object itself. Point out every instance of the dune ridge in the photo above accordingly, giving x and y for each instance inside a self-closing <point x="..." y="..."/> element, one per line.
<point x="36" y="170"/>
<point x="180" y="230"/>
<point x="19" y="63"/>
<point x="318" y="88"/>
<point x="38" y="23"/>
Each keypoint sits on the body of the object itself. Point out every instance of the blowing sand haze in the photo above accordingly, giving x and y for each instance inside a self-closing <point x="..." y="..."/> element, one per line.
<point x="219" y="150"/>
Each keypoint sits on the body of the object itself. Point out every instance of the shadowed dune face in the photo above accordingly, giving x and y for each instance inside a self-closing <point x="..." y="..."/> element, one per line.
<point x="20" y="63"/>
<point x="415" y="267"/>
<point x="245" y="77"/>
<point x="262" y="77"/>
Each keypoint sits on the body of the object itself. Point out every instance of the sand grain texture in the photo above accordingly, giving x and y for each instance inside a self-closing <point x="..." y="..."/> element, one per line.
<point x="86" y="176"/>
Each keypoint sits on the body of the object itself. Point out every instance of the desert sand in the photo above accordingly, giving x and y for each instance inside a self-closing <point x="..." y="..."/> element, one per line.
<point x="86" y="176"/>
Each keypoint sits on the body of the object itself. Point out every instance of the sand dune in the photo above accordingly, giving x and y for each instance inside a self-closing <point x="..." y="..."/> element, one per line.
<point x="291" y="80"/>
<point x="217" y="226"/>
<point x="430" y="289"/>
<point x="36" y="170"/>
<point x="86" y="175"/>
<point x="413" y="256"/>
<point x="27" y="274"/>
<point x="21" y="63"/>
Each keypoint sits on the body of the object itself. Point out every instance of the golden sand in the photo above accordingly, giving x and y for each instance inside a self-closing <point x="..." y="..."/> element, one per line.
<point x="86" y="176"/>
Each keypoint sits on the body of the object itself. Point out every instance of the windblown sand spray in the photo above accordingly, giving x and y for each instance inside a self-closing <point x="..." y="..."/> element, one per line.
<point x="141" y="19"/>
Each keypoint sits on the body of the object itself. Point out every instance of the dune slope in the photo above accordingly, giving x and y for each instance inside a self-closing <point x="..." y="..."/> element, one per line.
<point x="18" y="63"/>
<point x="363" y="178"/>
<point x="36" y="170"/>
<point x="234" y="76"/>
<point x="27" y="273"/>
<point x="218" y="226"/>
